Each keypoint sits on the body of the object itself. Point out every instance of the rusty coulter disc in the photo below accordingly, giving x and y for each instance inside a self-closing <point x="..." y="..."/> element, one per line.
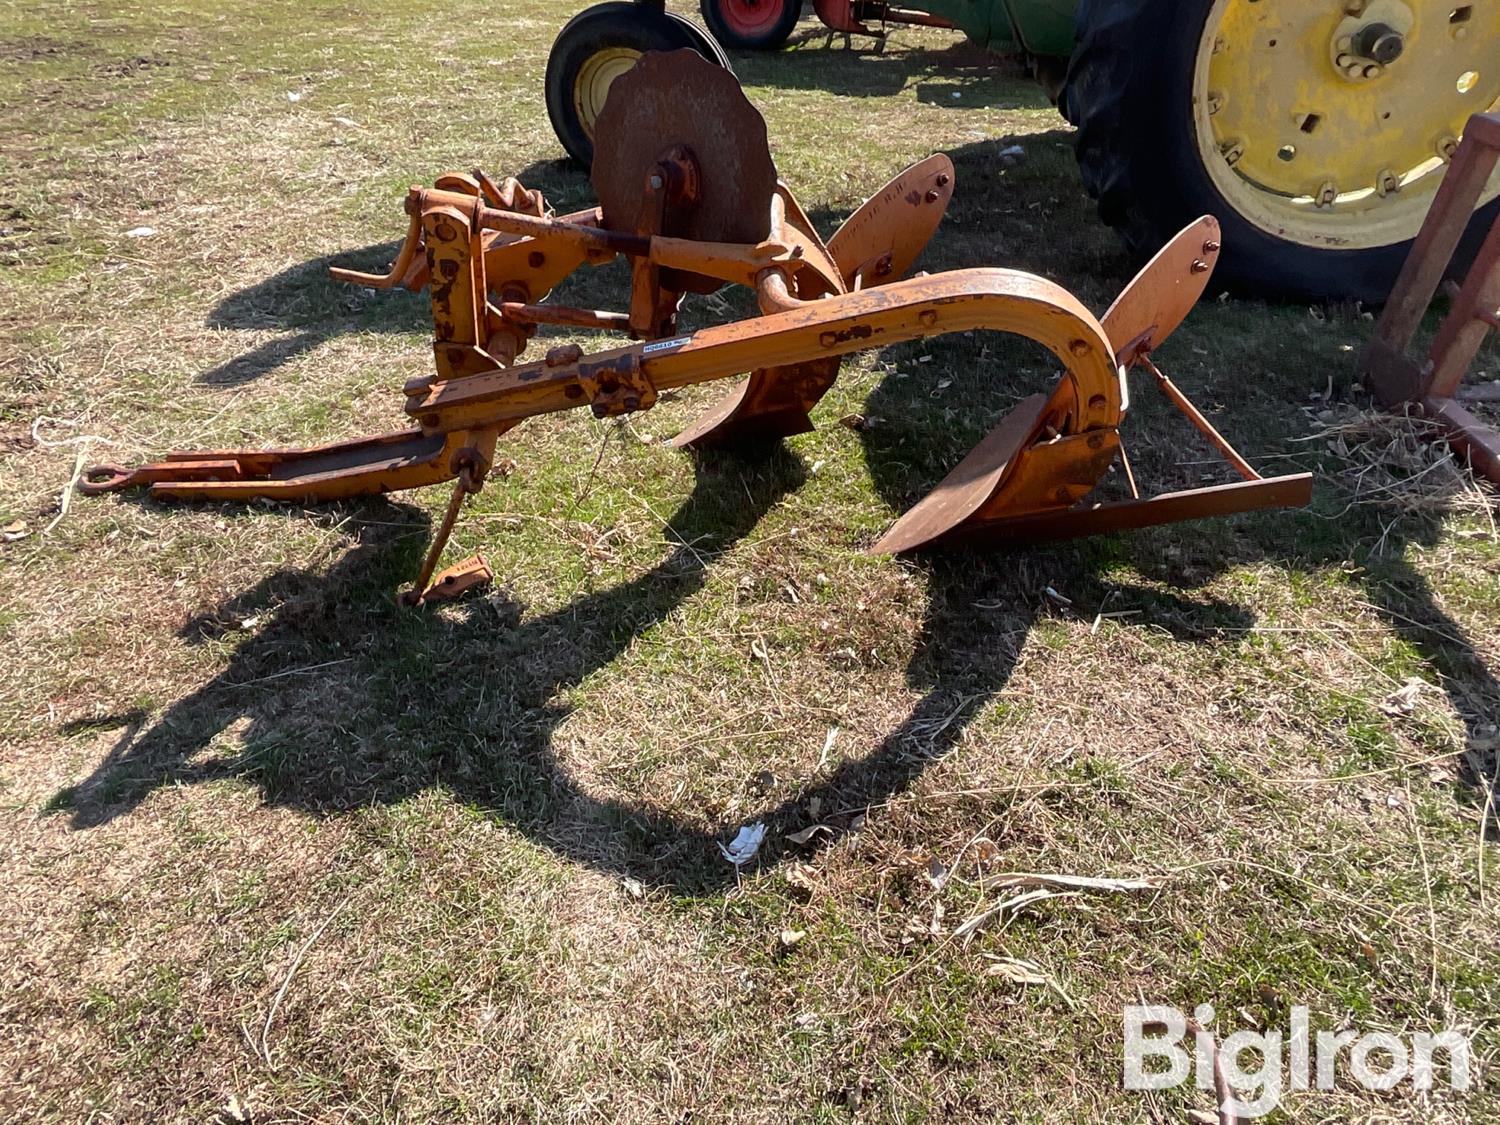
<point x="678" y="100"/>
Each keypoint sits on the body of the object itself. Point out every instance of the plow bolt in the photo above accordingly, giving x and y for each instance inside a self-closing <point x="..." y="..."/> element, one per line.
<point x="1200" y="266"/>
<point x="1210" y="247"/>
<point x="1079" y="348"/>
<point x="942" y="179"/>
<point x="563" y="354"/>
<point x="933" y="195"/>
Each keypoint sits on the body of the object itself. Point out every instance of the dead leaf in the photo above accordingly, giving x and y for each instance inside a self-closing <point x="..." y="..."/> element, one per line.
<point x="802" y="876"/>
<point x="1013" y="969"/>
<point x="790" y="938"/>
<point x="1403" y="701"/>
<point x="937" y="873"/>
<point x="633" y="887"/>
<point x="853" y="421"/>
<point x="16" y="529"/>
<point x="808" y="833"/>
<point x="985" y="853"/>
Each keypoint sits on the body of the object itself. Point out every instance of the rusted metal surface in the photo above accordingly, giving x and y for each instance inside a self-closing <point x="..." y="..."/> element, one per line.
<point x="881" y="240"/>
<point x="1430" y="385"/>
<point x="690" y="199"/>
<point x="455" y="582"/>
<point x="678" y="99"/>
<point x="1293" y="491"/>
<point x="1158" y="299"/>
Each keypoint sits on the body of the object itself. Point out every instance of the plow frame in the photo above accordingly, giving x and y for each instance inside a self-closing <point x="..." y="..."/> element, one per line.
<point x="488" y="254"/>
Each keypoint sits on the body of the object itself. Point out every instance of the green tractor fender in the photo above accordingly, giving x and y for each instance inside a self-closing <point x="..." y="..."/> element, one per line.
<point x="1043" y="28"/>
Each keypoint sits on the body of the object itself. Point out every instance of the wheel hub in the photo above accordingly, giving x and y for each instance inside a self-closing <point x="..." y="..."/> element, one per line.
<point x="1370" y="37"/>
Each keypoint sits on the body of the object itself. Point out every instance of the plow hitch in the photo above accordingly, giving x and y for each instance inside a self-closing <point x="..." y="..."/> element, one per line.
<point x="689" y="196"/>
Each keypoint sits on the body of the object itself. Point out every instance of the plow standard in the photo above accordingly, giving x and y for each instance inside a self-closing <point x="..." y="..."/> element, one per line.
<point x="688" y="194"/>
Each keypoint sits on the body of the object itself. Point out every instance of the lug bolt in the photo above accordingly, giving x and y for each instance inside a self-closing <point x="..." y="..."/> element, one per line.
<point x="1215" y="102"/>
<point x="1386" y="183"/>
<point x="1447" y="148"/>
<point x="1232" y="152"/>
<point x="1328" y="194"/>
<point x="1374" y="70"/>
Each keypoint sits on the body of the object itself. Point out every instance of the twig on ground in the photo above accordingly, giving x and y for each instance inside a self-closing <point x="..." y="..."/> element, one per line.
<point x="265" y="1048"/>
<point x="66" y="498"/>
<point x="1416" y="828"/>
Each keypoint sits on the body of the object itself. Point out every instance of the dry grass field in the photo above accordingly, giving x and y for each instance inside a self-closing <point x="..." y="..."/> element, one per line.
<point x="274" y="849"/>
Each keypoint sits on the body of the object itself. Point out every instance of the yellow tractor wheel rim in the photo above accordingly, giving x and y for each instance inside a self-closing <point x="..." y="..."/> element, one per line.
<point x="1330" y="124"/>
<point x="595" y="76"/>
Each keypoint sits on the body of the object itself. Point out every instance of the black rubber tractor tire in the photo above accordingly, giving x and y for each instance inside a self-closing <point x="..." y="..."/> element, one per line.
<point x="1129" y="90"/>
<point x="613" y="26"/>
<point x="731" y="29"/>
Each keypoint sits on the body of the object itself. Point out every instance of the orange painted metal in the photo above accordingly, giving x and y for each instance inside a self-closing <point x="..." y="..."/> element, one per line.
<point x="1430" y="387"/>
<point x="489" y="253"/>
<point x="1159" y="298"/>
<point x="880" y="242"/>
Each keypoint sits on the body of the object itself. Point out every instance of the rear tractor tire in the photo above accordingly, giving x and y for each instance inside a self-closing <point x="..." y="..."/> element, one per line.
<point x="1317" y="138"/>
<point x="597" y="46"/>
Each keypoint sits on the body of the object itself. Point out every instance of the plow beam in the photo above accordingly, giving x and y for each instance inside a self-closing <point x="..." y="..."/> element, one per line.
<point x="995" y="299"/>
<point x="363" y="467"/>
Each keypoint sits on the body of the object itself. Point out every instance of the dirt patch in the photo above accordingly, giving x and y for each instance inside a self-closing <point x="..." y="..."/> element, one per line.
<point x="33" y="47"/>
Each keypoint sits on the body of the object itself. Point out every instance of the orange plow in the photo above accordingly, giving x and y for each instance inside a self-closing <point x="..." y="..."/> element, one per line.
<point x="693" y="202"/>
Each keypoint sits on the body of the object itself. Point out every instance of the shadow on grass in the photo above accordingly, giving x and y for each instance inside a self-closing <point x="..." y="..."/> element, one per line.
<point x="305" y="302"/>
<point x="341" y="700"/>
<point x="817" y="59"/>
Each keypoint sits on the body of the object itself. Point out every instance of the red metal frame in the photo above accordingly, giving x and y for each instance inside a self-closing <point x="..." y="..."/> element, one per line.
<point x="1434" y="386"/>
